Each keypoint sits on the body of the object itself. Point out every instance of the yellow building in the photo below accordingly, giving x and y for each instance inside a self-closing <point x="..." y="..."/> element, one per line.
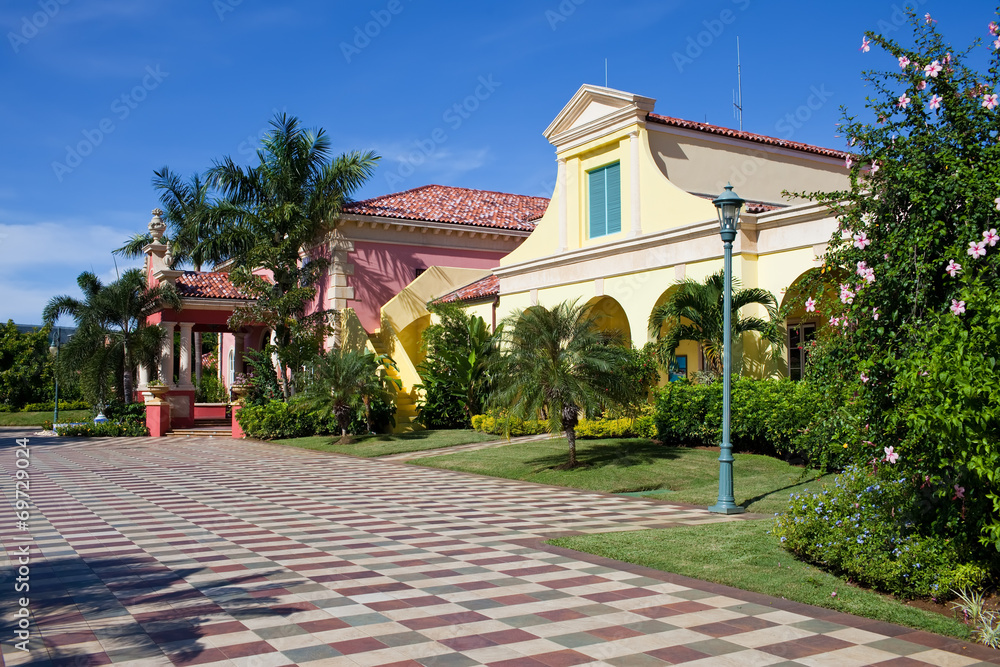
<point x="631" y="215"/>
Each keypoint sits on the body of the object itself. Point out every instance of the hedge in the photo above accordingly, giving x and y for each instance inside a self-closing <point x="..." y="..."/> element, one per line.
<point x="767" y="416"/>
<point x="641" y="427"/>
<point x="46" y="407"/>
<point x="103" y="430"/>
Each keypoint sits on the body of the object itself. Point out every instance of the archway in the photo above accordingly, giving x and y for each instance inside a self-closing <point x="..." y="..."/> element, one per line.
<point x="688" y="357"/>
<point x="611" y="317"/>
<point x="800" y="323"/>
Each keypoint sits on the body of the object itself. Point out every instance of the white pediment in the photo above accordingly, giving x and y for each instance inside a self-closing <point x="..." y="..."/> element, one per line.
<point x="594" y="106"/>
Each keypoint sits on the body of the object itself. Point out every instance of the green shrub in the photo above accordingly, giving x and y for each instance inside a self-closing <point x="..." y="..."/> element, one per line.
<point x="382" y="416"/>
<point x="118" y="411"/>
<point x="104" y="430"/>
<point x="276" y="420"/>
<point x="48" y="407"/>
<point x="622" y="427"/>
<point x="210" y="389"/>
<point x="767" y="417"/>
<point x="498" y="425"/>
<point x="866" y="527"/>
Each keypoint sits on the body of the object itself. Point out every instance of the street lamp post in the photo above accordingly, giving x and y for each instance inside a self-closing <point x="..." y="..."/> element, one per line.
<point x="56" y="341"/>
<point x="728" y="205"/>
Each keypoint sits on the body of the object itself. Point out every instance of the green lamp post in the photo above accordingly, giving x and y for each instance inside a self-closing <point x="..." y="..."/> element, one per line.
<point x="728" y="205"/>
<point x="56" y="343"/>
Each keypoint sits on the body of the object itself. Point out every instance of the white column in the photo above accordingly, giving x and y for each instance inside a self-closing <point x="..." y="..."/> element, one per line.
<point x="143" y="377"/>
<point x="184" y="367"/>
<point x="238" y="346"/>
<point x="167" y="354"/>
<point x="197" y="356"/>
<point x="636" y="206"/>
<point x="563" y="207"/>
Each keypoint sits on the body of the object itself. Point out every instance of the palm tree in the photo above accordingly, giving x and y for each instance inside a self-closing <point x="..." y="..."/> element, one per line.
<point x="188" y="209"/>
<point x="113" y="336"/>
<point x="702" y="305"/>
<point x="344" y="380"/>
<point x="558" y="362"/>
<point x="272" y="213"/>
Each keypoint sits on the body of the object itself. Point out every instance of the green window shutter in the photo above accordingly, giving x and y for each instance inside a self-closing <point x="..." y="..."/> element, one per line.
<point x="598" y="204"/>
<point x="614" y="197"/>
<point x="605" y="200"/>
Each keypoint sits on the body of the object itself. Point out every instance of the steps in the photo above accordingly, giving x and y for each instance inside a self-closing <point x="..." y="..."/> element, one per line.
<point x="205" y="428"/>
<point x="406" y="401"/>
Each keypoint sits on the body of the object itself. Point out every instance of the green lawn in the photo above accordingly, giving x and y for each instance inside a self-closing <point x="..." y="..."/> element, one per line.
<point x="39" y="418"/>
<point x="676" y="474"/>
<point x="386" y="444"/>
<point x="741" y="554"/>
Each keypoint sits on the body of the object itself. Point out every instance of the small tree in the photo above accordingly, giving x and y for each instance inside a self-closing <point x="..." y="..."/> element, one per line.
<point x="344" y="380"/>
<point x="25" y="366"/>
<point x="558" y="362"/>
<point x="455" y="373"/>
<point x="112" y="336"/>
<point x="701" y="303"/>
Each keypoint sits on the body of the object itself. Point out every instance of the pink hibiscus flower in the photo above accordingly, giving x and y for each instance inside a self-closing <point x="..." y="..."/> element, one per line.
<point x="810" y="305"/>
<point x="933" y="69"/>
<point x="990" y="237"/>
<point x="861" y="241"/>
<point x="990" y="101"/>
<point x="865" y="45"/>
<point x="953" y="268"/>
<point x="957" y="307"/>
<point x="935" y="102"/>
<point x="891" y="456"/>
<point x="903" y="62"/>
<point x="903" y="101"/>
<point x="976" y="249"/>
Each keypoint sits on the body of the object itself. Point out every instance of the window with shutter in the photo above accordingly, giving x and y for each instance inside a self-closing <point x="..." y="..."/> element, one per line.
<point x="605" y="191"/>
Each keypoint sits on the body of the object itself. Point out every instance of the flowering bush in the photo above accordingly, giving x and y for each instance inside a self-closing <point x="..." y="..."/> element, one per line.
<point x="909" y="346"/>
<point x="864" y="527"/>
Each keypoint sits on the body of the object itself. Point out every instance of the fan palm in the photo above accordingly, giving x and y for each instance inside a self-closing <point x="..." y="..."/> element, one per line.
<point x="113" y="336"/>
<point x="701" y="304"/>
<point x="558" y="362"/>
<point x="344" y="380"/>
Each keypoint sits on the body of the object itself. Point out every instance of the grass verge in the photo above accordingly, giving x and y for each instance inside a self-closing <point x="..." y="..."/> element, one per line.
<point x="741" y="554"/>
<point x="39" y="418"/>
<point x="674" y="474"/>
<point x="385" y="444"/>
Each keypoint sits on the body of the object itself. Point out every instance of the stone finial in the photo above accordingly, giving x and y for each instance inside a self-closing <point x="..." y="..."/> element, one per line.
<point x="157" y="226"/>
<point x="168" y="256"/>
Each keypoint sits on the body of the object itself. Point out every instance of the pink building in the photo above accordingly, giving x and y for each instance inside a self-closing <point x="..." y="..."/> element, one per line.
<point x="379" y="247"/>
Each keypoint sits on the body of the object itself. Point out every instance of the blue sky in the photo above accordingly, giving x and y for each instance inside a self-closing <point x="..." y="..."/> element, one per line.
<point x="99" y="93"/>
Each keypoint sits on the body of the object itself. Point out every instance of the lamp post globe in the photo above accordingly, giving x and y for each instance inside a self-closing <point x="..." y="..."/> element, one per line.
<point x="728" y="205"/>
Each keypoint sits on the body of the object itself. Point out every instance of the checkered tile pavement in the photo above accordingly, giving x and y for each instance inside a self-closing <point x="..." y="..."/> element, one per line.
<point x="220" y="552"/>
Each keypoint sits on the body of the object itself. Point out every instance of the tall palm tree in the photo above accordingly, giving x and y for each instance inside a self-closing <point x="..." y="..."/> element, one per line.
<point x="343" y="380"/>
<point x="558" y="362"/>
<point x="702" y="305"/>
<point x="188" y="208"/>
<point x="113" y="336"/>
<point x="270" y="214"/>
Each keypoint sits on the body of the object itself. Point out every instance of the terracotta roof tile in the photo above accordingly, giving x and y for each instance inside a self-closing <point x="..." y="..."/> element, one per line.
<point x="481" y="289"/>
<point x="749" y="206"/>
<point x="207" y="285"/>
<point x="748" y="136"/>
<point x="440" y="203"/>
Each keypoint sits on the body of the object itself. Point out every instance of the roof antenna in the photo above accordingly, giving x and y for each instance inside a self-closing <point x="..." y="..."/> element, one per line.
<point x="738" y="100"/>
<point x="605" y="72"/>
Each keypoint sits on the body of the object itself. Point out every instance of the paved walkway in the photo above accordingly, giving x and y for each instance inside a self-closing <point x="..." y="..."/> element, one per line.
<point x="219" y="552"/>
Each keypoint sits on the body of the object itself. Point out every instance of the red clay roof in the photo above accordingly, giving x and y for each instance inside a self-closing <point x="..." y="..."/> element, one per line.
<point x="748" y="136"/>
<point x="207" y="285"/>
<point x="440" y="203"/>
<point x="481" y="289"/>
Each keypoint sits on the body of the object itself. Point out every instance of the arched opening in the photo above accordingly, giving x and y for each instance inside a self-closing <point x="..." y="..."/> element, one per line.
<point x="802" y="324"/>
<point x="611" y="317"/>
<point x="688" y="357"/>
